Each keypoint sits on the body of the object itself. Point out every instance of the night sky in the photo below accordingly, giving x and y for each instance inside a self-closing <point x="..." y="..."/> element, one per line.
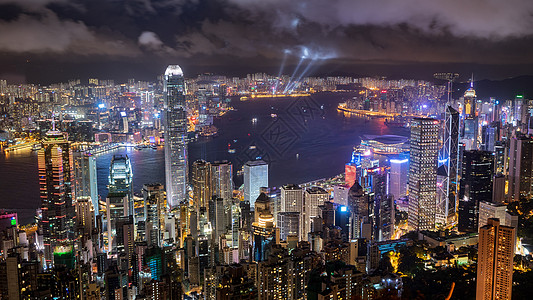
<point x="45" y="41"/>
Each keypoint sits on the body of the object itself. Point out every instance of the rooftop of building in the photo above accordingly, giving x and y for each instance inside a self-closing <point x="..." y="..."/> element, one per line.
<point x="386" y="139"/>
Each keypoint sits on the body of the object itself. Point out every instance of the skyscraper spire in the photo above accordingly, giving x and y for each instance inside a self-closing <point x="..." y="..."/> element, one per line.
<point x="53" y="121"/>
<point x="472" y="81"/>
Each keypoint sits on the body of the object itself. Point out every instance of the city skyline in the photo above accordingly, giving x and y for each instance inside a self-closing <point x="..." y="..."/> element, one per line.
<point x="260" y="150"/>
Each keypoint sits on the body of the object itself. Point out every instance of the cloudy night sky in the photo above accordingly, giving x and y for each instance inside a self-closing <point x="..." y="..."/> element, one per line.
<point x="44" y="41"/>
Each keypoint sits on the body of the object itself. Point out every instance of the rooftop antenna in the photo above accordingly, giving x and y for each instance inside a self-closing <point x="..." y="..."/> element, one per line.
<point x="53" y="120"/>
<point x="472" y="81"/>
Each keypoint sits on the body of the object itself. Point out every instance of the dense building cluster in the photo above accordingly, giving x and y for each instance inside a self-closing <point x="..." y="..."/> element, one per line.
<point x="197" y="235"/>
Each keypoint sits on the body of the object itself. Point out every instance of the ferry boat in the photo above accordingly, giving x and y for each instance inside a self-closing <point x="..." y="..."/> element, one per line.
<point x="396" y="123"/>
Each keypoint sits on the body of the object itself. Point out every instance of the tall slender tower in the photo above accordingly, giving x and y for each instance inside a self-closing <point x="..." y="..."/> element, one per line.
<point x="175" y="121"/>
<point x="470" y="130"/>
<point x="495" y="261"/>
<point x="423" y="174"/>
<point x="475" y="186"/>
<point x="55" y="173"/>
<point x="448" y="165"/>
<point x="255" y="177"/>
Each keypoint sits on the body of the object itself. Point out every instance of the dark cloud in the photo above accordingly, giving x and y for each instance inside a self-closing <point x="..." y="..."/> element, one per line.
<point x="215" y="32"/>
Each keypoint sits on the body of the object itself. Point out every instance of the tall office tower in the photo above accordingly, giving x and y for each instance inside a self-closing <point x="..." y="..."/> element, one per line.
<point x="55" y="174"/>
<point x="447" y="189"/>
<point x="125" y="239"/>
<point x="489" y="210"/>
<point x="222" y="180"/>
<point x="217" y="218"/>
<point x="117" y="205"/>
<point x="85" y="221"/>
<point x="399" y="170"/>
<point x="475" y="186"/>
<point x="520" y="168"/>
<point x="255" y="177"/>
<point x="498" y="188"/>
<point x="263" y="228"/>
<point x="289" y="224"/>
<point x="340" y="194"/>
<point x="175" y="122"/>
<point x="495" y="261"/>
<point x="500" y="162"/>
<point x="358" y="207"/>
<point x="85" y="178"/>
<point x="352" y="168"/>
<point x="386" y="217"/>
<point x="470" y="129"/>
<point x="423" y="174"/>
<point x="292" y="198"/>
<point x="313" y="198"/>
<point x="154" y="212"/>
<point x="489" y="136"/>
<point x="120" y="179"/>
<point x="202" y="105"/>
<point x="201" y="184"/>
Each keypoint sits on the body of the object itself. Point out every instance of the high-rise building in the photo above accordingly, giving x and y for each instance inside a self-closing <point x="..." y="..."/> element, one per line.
<point x="399" y="170"/>
<point x="201" y="184"/>
<point x="263" y="228"/>
<point x="175" y="122"/>
<point x="489" y="210"/>
<point x="154" y="212"/>
<point x="313" y="198"/>
<point x="386" y="217"/>
<point x="423" y="174"/>
<point x="498" y="188"/>
<point x="292" y="198"/>
<point x="55" y="175"/>
<point x="85" y="177"/>
<point x="288" y="224"/>
<point x="222" y="180"/>
<point x="85" y="215"/>
<point x="255" y="177"/>
<point x="352" y="168"/>
<point x="120" y="179"/>
<point x="520" y="168"/>
<point x="495" y="261"/>
<point x="475" y="186"/>
<point x="469" y="130"/>
<point x="448" y="165"/>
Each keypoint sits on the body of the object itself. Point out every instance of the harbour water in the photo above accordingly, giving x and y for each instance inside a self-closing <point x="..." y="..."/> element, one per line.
<point x="303" y="139"/>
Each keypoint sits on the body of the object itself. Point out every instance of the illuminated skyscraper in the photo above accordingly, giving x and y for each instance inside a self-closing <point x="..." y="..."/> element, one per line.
<point x="121" y="177"/>
<point x="154" y="212"/>
<point x="175" y="122"/>
<point x="255" y="177"/>
<point x="85" y="175"/>
<point x="495" y="261"/>
<point x="201" y="184"/>
<point x="520" y="168"/>
<point x="55" y="173"/>
<point x="475" y="186"/>
<point x="470" y="130"/>
<point x="222" y="180"/>
<point x="313" y="197"/>
<point x="423" y="174"/>
<point x="448" y="164"/>
<point x="399" y="170"/>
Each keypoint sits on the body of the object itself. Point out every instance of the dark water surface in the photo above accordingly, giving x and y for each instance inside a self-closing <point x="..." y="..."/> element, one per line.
<point x="305" y="139"/>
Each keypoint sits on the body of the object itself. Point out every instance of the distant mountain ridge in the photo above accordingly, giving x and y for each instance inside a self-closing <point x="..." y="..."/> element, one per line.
<point x="500" y="89"/>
